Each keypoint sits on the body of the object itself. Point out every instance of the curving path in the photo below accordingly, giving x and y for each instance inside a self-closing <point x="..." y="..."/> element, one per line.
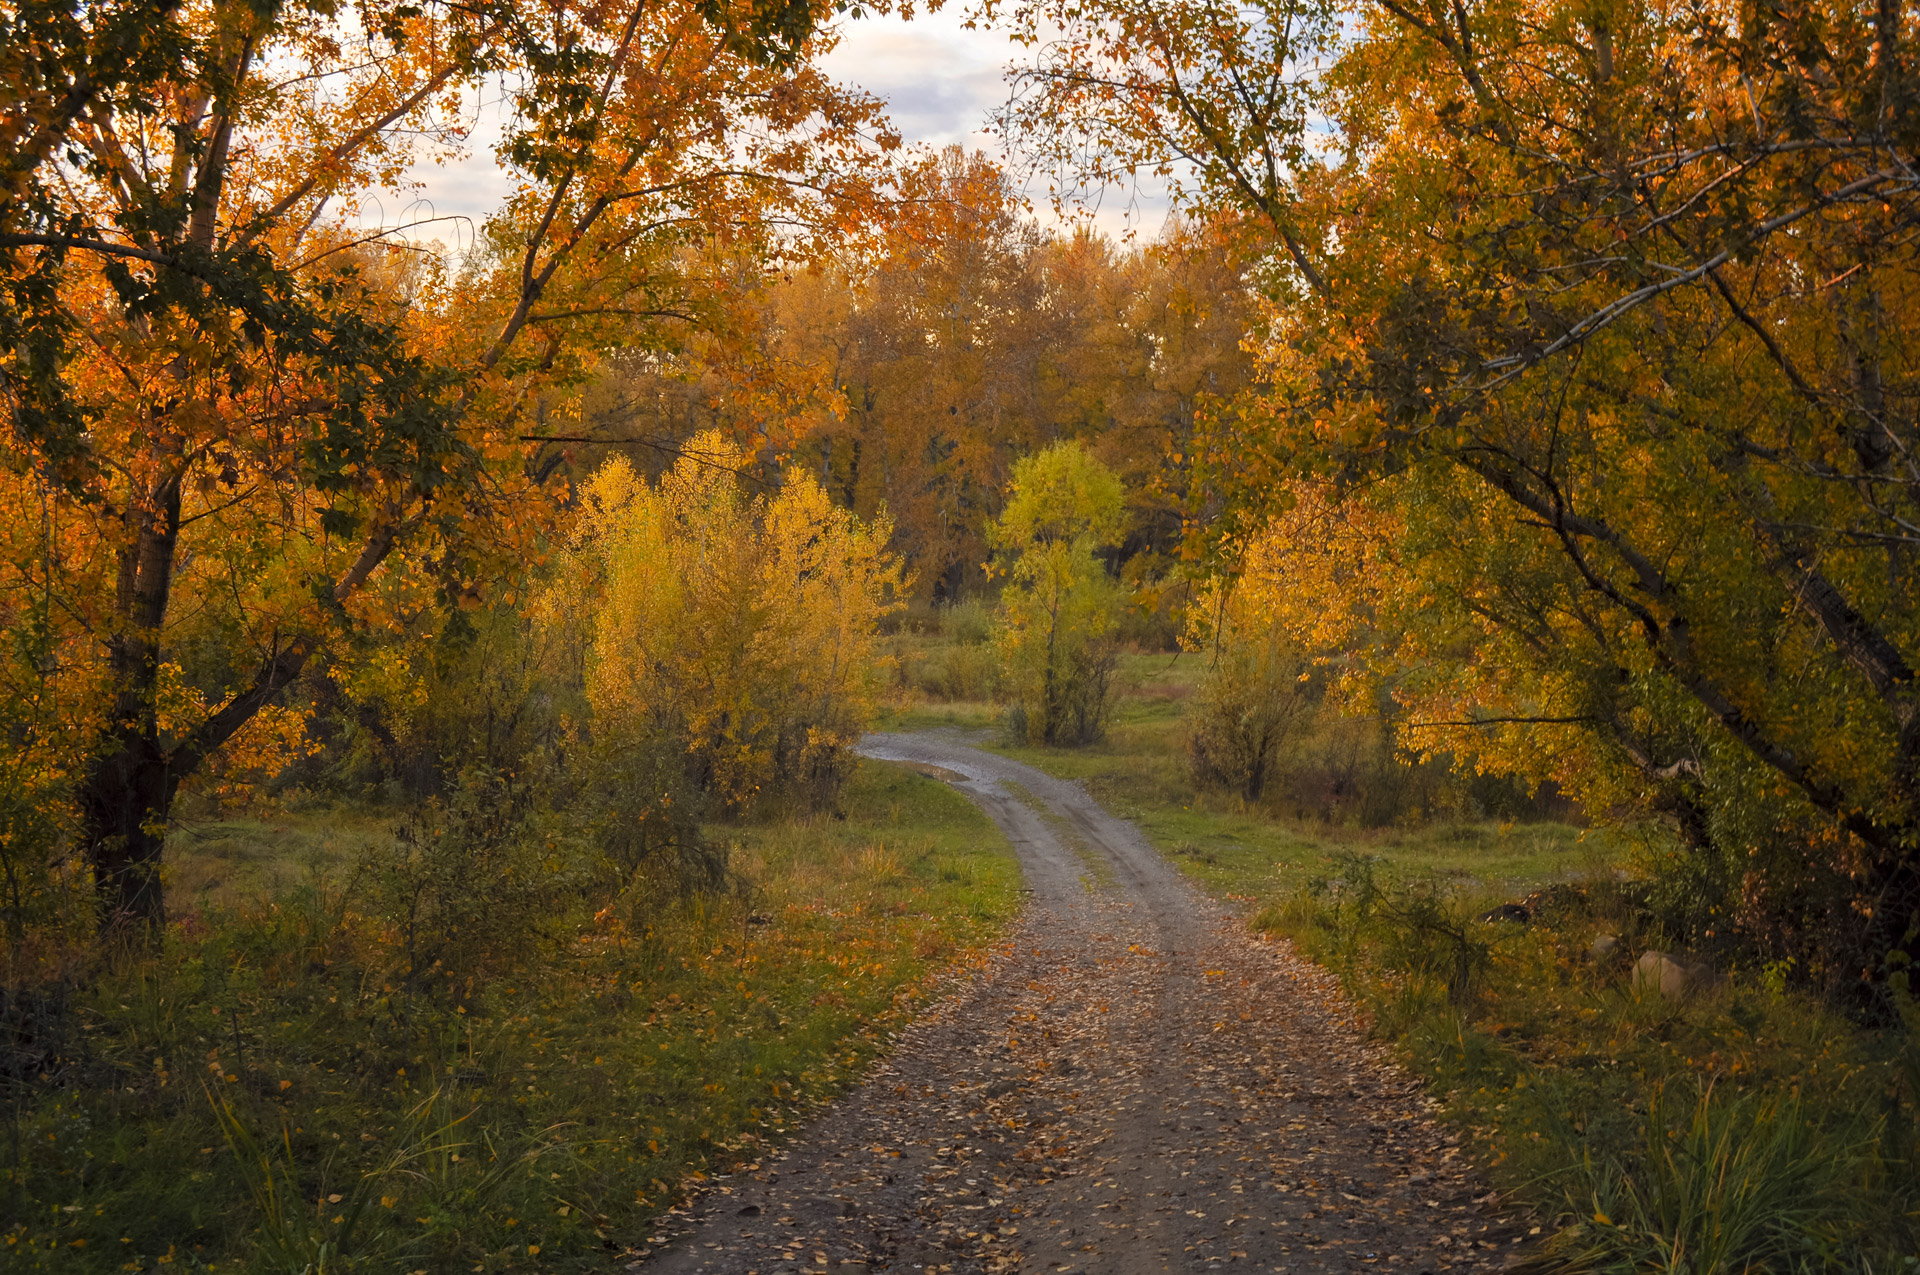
<point x="1134" y="1084"/>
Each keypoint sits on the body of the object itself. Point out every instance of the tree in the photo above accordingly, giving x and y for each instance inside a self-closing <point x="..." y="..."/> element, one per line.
<point x="1258" y="677"/>
<point x="258" y="425"/>
<point x="912" y="375"/>
<point x="742" y="631"/>
<point x="1613" y="306"/>
<point x="1059" y="609"/>
<point x="1134" y="348"/>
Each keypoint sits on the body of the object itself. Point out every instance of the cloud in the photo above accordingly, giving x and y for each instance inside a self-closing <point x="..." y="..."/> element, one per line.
<point x="940" y="81"/>
<point x="448" y="195"/>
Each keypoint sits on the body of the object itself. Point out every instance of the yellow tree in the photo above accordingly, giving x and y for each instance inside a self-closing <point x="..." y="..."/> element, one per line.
<point x="742" y="630"/>
<point x="1060" y="607"/>
<point x="1302" y="594"/>
<point x="257" y="423"/>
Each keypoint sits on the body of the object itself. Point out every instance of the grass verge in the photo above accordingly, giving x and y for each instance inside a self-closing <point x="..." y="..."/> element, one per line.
<point x="262" y="1097"/>
<point x="1742" y="1126"/>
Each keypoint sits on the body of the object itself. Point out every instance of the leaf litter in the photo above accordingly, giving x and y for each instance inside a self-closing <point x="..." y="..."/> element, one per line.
<point x="1131" y="1083"/>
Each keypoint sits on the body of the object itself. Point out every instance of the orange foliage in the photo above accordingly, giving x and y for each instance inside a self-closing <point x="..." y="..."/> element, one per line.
<point x="261" y="427"/>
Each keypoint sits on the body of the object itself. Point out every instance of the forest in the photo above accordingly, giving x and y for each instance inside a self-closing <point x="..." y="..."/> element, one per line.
<point x="1474" y="539"/>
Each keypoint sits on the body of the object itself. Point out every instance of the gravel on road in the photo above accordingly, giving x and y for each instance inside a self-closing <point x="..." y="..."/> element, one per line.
<point x="1134" y="1083"/>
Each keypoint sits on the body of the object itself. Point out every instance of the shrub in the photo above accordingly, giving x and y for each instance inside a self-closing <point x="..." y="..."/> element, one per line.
<point x="405" y="715"/>
<point x="968" y="623"/>
<point x="643" y="813"/>
<point x="470" y="882"/>
<point x="1426" y="934"/>
<point x="41" y="885"/>
<point x="962" y="673"/>
<point x="1256" y="693"/>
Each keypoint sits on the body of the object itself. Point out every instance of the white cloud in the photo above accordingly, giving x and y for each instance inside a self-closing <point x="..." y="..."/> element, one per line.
<point x="939" y="80"/>
<point x="449" y="193"/>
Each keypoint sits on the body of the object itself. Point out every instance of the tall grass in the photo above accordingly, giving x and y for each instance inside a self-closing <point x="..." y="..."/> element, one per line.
<point x="275" y="1093"/>
<point x="1743" y="1128"/>
<point x="1751" y="1182"/>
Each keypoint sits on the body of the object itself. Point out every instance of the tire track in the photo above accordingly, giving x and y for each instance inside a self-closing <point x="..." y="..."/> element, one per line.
<point x="1132" y="1084"/>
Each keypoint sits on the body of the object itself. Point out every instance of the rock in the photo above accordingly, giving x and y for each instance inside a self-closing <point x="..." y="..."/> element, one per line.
<point x="1604" y="947"/>
<point x="1658" y="972"/>
<point x="1669" y="975"/>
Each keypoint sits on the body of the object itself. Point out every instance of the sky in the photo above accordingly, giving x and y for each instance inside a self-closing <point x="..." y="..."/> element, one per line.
<point x="939" y="79"/>
<point x="941" y="83"/>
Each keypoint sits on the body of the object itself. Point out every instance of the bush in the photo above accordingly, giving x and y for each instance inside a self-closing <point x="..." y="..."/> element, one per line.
<point x="966" y="674"/>
<point x="471" y="883"/>
<point x="643" y="813"/>
<point x="967" y="623"/>
<point x="41" y="876"/>
<point x="1424" y="932"/>
<point x="1256" y="693"/>
<point x="41" y="886"/>
<point x="403" y="717"/>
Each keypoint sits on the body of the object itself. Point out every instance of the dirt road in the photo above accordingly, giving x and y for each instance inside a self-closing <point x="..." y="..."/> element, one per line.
<point x="1133" y="1085"/>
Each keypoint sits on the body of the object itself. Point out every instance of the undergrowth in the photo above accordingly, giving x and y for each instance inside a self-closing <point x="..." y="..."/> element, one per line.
<point x="280" y="1090"/>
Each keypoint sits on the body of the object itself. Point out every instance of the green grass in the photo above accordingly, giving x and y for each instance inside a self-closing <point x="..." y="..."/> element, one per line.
<point x="962" y="715"/>
<point x="268" y="1096"/>
<point x="1246" y="851"/>
<point x="220" y="864"/>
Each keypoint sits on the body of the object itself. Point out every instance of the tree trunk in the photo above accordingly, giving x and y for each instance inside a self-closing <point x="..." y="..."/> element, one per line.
<point x="1891" y="900"/>
<point x="1261" y="746"/>
<point x="125" y="801"/>
<point x="1050" y="680"/>
<point x="128" y="790"/>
